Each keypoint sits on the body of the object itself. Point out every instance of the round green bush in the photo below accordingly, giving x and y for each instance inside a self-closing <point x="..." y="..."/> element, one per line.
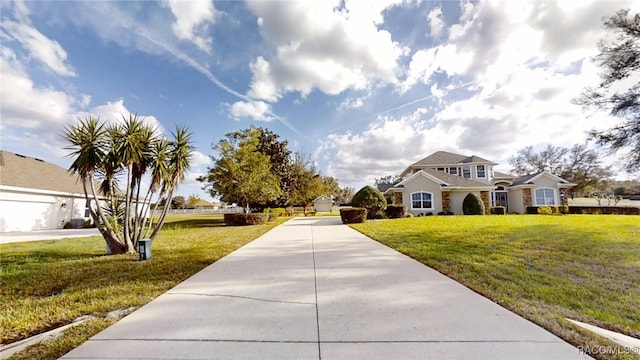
<point x="371" y="199"/>
<point x="471" y="205"/>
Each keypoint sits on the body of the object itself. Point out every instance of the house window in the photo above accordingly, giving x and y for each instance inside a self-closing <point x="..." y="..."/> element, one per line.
<point x="466" y="171"/>
<point x="422" y="200"/>
<point x="440" y="169"/>
<point x="545" y="196"/>
<point x="481" y="172"/>
<point x="453" y="171"/>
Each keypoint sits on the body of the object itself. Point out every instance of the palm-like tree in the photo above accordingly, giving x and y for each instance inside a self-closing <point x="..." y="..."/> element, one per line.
<point x="179" y="156"/>
<point x="103" y="152"/>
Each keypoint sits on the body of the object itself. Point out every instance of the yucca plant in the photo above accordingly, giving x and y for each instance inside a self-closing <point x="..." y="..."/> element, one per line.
<point x="126" y="151"/>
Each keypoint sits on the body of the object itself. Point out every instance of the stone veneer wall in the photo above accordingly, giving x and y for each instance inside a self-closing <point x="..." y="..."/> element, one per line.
<point x="484" y="196"/>
<point x="446" y="201"/>
<point x="527" y="200"/>
<point x="397" y="198"/>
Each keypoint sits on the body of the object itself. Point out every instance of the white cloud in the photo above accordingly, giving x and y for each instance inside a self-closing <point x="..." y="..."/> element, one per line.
<point x="117" y="112"/>
<point x="47" y="51"/>
<point x="199" y="159"/>
<point x="192" y="21"/>
<point x="256" y="110"/>
<point x="436" y="22"/>
<point x="27" y="105"/>
<point x="386" y="147"/>
<point x="351" y="103"/>
<point x="320" y="45"/>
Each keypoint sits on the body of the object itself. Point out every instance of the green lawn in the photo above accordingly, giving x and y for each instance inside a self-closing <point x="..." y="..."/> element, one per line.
<point x="46" y="284"/>
<point x="545" y="268"/>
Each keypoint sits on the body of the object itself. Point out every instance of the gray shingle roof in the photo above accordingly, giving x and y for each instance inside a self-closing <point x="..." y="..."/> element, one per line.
<point x="27" y="172"/>
<point x="524" y="179"/>
<point x="475" y="159"/>
<point x="455" y="180"/>
<point x="447" y="158"/>
<point x="440" y="158"/>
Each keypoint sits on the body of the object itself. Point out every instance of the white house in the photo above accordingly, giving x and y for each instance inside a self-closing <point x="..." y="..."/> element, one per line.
<point x="440" y="182"/>
<point x="37" y="195"/>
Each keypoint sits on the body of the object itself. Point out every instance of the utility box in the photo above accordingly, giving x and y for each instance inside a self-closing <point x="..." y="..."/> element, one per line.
<point x="144" y="249"/>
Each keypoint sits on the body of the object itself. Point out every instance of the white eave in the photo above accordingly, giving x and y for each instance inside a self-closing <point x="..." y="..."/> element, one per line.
<point x="39" y="191"/>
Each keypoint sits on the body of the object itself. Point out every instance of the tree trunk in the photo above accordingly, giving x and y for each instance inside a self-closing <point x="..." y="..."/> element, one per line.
<point x="111" y="238"/>
<point x="158" y="226"/>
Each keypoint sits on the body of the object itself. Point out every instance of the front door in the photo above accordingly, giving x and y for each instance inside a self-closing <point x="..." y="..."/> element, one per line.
<point x="500" y="199"/>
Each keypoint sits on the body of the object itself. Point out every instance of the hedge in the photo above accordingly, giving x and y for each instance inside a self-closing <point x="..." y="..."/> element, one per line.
<point x="240" y="219"/>
<point x="353" y="215"/>
<point x="613" y="210"/>
<point x="498" y="210"/>
<point x="395" y="211"/>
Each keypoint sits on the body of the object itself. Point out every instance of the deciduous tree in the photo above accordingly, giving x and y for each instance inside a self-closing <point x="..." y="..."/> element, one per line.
<point x="577" y="164"/>
<point x="619" y="59"/>
<point x="242" y="174"/>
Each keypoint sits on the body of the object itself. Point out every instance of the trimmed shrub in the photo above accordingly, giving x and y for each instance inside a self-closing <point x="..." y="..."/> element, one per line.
<point x="395" y="211"/>
<point x="614" y="210"/>
<point x="353" y="215"/>
<point x="246" y="219"/>
<point x="471" y="205"/>
<point x="371" y="199"/>
<point x="443" y="213"/>
<point x="498" y="210"/>
<point x="545" y="210"/>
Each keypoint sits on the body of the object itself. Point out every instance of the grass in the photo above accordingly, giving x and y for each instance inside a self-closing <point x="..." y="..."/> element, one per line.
<point x="47" y="284"/>
<point x="544" y="268"/>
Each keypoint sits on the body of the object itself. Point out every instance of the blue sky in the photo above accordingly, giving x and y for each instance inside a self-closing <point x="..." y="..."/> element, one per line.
<point x="365" y="87"/>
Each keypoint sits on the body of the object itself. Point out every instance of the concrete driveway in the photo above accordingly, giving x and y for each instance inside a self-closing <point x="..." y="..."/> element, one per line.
<point x="313" y="288"/>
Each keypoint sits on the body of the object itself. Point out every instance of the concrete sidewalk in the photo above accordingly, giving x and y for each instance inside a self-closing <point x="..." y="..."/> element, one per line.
<point x="313" y="288"/>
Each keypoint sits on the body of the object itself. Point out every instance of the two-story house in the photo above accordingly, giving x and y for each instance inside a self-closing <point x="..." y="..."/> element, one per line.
<point x="440" y="182"/>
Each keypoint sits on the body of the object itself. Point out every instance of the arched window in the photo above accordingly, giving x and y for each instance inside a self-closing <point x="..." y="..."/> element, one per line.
<point x="422" y="201"/>
<point x="545" y="196"/>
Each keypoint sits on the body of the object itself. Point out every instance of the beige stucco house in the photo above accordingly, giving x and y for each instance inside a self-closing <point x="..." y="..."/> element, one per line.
<point x="440" y="182"/>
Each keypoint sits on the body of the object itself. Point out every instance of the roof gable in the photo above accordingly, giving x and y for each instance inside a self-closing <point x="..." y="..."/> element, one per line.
<point x="445" y="180"/>
<point x="424" y="174"/>
<point x="27" y="172"/>
<point x="531" y="178"/>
